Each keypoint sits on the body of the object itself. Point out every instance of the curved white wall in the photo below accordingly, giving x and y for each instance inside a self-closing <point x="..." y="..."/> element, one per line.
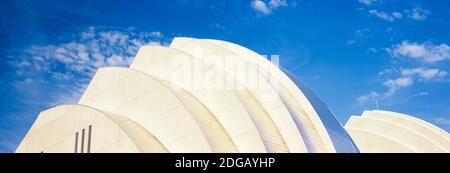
<point x="145" y="100"/>
<point x="313" y="117"/>
<point x="109" y="132"/>
<point x="224" y="103"/>
<point x="412" y="134"/>
<point x="248" y="76"/>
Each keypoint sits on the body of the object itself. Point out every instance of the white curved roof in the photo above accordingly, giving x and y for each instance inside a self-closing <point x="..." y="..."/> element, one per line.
<point x="307" y="109"/>
<point x="258" y="86"/>
<point x="226" y="105"/>
<point x="368" y="138"/>
<point x="147" y="101"/>
<point x="412" y="133"/>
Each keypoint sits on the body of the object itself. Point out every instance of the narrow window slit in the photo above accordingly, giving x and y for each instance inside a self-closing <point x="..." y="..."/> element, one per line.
<point x="76" y="142"/>
<point x="82" y="141"/>
<point x="89" y="139"/>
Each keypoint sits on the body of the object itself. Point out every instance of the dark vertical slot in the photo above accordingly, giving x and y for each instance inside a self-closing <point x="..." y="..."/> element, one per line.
<point x="76" y="142"/>
<point x="82" y="141"/>
<point x="89" y="139"/>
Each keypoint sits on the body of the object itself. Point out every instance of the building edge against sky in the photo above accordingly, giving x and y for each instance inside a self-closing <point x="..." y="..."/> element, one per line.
<point x="144" y="108"/>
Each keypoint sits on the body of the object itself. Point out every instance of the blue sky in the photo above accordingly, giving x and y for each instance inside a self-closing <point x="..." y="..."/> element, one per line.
<point x="349" y="52"/>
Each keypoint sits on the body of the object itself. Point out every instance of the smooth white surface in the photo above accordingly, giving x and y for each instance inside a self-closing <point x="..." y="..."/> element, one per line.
<point x="309" y="123"/>
<point x="416" y="125"/>
<point x="224" y="104"/>
<point x="110" y="133"/>
<point x="383" y="131"/>
<point x="145" y="100"/>
<point x="263" y="91"/>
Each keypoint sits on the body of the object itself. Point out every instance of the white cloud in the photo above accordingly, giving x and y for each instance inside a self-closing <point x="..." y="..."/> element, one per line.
<point x="116" y="60"/>
<point x="90" y="50"/>
<point x="425" y="74"/>
<point x="277" y="3"/>
<point x="371" y="96"/>
<point x="397" y="15"/>
<point x="393" y="85"/>
<point x="418" y="13"/>
<point x="385" y="71"/>
<point x="68" y="97"/>
<point x="405" y="78"/>
<point x="68" y="66"/>
<point x="260" y="6"/>
<point x="217" y="26"/>
<point x="399" y="77"/>
<point x="420" y="94"/>
<point x="113" y="37"/>
<point x="426" y="52"/>
<point x="267" y="8"/>
<point x="386" y="16"/>
<point x="155" y="34"/>
<point x="367" y="2"/>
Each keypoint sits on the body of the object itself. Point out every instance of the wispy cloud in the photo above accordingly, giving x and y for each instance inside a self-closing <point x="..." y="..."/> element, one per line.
<point x="267" y="7"/>
<point x="386" y="16"/>
<point x="425" y="74"/>
<point x="420" y="94"/>
<point x="417" y="13"/>
<point x="217" y="25"/>
<point x="395" y="84"/>
<point x="404" y="78"/>
<point x="398" y="77"/>
<point x="367" y="2"/>
<point x="426" y="52"/>
<point x="392" y="85"/>
<point x="67" y="67"/>
<point x="277" y="3"/>
<point x="360" y="35"/>
<point x="260" y="6"/>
